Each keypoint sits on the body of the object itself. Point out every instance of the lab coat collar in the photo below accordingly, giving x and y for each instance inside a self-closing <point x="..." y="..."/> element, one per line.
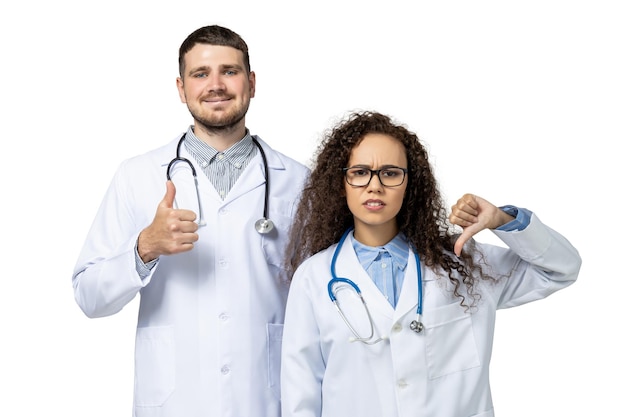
<point x="252" y="177"/>
<point x="348" y="266"/>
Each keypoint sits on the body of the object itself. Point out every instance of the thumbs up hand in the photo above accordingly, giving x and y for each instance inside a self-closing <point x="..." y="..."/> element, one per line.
<point x="172" y="230"/>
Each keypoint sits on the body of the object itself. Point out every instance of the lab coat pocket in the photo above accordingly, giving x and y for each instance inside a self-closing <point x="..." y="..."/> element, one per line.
<point x="155" y="366"/>
<point x="274" y="346"/>
<point x="450" y="343"/>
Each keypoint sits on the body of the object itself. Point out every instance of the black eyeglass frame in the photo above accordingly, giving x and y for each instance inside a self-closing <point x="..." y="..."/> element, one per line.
<point x="377" y="172"/>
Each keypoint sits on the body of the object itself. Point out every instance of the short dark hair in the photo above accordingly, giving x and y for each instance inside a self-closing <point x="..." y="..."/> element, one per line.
<point x="213" y="35"/>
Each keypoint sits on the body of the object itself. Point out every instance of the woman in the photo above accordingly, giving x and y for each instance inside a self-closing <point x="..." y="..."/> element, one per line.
<point x="420" y="342"/>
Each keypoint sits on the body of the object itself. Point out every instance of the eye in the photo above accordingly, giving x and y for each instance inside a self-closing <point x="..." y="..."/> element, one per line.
<point x="359" y="172"/>
<point x="390" y="173"/>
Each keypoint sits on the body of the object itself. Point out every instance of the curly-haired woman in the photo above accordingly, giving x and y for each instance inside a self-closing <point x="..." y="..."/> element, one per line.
<point x="391" y="310"/>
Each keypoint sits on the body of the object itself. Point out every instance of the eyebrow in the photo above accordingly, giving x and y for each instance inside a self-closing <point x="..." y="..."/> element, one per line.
<point x="221" y="67"/>
<point x="370" y="167"/>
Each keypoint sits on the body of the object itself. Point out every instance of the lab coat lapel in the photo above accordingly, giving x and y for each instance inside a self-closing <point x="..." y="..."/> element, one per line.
<point x="253" y="176"/>
<point x="408" y="295"/>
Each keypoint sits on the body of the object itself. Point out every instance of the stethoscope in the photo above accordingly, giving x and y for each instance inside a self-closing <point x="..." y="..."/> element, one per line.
<point x="263" y="225"/>
<point x="416" y="325"/>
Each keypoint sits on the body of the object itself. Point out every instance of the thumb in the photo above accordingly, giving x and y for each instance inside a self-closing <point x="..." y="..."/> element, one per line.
<point x="467" y="234"/>
<point x="170" y="194"/>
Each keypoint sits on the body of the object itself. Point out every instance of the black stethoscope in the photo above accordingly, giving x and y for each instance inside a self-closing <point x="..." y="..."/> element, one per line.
<point x="263" y="225"/>
<point x="416" y="325"/>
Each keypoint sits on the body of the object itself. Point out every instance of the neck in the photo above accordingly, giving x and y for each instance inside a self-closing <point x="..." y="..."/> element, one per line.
<point x="375" y="235"/>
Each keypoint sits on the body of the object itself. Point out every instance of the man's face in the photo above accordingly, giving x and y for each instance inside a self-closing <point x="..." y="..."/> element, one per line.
<point x="216" y="87"/>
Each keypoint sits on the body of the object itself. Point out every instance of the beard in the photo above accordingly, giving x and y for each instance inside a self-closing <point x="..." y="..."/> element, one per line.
<point x="219" y="121"/>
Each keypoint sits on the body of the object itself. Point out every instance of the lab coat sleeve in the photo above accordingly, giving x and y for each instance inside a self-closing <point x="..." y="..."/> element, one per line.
<point x="303" y="366"/>
<point x="540" y="262"/>
<point x="105" y="278"/>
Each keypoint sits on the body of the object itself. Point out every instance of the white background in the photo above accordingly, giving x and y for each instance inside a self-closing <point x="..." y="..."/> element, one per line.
<point x="519" y="102"/>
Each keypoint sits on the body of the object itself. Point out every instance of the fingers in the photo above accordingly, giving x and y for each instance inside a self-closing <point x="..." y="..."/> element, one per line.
<point x="475" y="214"/>
<point x="465" y="212"/>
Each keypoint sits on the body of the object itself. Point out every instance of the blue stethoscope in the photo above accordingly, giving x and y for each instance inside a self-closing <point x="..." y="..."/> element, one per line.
<point x="264" y="225"/>
<point x="416" y="325"/>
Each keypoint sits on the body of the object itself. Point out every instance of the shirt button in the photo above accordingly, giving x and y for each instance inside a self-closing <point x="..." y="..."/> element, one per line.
<point x="204" y="164"/>
<point x="220" y="156"/>
<point x="225" y="370"/>
<point x="223" y="263"/>
<point x="384" y="265"/>
<point x="396" y="328"/>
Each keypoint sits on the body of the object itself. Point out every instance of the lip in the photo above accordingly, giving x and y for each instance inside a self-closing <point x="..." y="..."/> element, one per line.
<point x="217" y="100"/>
<point x="374" y="205"/>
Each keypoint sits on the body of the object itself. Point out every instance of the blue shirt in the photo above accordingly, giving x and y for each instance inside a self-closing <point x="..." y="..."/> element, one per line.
<point x="386" y="264"/>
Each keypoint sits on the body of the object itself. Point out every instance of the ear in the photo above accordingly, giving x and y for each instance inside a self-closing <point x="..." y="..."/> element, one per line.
<point x="181" y="90"/>
<point x="252" y="82"/>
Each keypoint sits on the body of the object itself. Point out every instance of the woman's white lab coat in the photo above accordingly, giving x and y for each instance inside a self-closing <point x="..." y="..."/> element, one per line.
<point x="210" y="320"/>
<point x="442" y="372"/>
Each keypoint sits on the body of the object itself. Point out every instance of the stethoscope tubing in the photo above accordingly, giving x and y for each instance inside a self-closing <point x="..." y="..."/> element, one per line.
<point x="263" y="225"/>
<point x="416" y="325"/>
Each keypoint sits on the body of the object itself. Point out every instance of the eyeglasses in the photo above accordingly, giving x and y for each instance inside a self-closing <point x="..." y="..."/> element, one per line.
<point x="389" y="176"/>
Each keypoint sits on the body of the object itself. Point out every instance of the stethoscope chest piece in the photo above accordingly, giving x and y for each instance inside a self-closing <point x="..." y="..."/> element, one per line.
<point x="416" y="326"/>
<point x="264" y="226"/>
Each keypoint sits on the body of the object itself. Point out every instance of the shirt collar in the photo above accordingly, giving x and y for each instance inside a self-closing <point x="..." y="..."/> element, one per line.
<point x="398" y="248"/>
<point x="235" y="154"/>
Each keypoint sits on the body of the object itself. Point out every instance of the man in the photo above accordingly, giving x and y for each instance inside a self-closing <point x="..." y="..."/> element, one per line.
<point x="212" y="288"/>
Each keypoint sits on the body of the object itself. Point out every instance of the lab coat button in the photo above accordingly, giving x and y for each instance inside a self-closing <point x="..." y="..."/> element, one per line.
<point x="225" y="370"/>
<point x="396" y="328"/>
<point x="402" y="383"/>
<point x="224" y="317"/>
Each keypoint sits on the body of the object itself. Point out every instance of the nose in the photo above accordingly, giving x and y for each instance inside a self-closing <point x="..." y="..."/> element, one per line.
<point x="215" y="82"/>
<point x="375" y="185"/>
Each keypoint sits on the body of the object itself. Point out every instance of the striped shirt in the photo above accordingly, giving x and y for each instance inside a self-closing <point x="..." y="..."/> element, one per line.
<point x="222" y="168"/>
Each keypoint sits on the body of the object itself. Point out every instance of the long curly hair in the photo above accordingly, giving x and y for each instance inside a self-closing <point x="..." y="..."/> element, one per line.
<point x="322" y="215"/>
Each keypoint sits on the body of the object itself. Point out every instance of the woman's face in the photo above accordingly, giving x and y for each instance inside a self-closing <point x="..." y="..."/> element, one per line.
<point x="375" y="206"/>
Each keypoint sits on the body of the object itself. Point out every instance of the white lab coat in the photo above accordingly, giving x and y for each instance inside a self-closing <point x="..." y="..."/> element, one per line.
<point x="210" y="320"/>
<point x="442" y="372"/>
